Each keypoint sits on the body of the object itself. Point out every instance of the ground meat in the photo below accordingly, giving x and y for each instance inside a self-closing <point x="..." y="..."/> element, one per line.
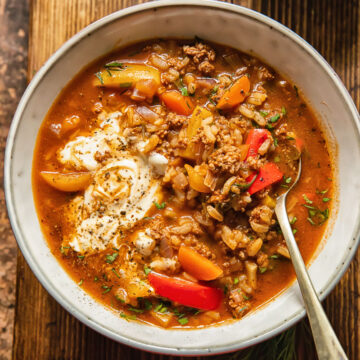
<point x="227" y="159"/>
<point x="202" y="55"/>
<point x="206" y="68"/>
<point x="262" y="259"/>
<point x="175" y="120"/>
<point x="255" y="162"/>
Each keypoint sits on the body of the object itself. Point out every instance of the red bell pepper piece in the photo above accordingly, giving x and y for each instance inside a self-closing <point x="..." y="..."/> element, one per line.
<point x="268" y="175"/>
<point x="186" y="292"/>
<point x="255" y="139"/>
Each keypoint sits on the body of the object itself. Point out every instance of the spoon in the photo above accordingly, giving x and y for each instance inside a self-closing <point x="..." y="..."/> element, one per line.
<point x="326" y="341"/>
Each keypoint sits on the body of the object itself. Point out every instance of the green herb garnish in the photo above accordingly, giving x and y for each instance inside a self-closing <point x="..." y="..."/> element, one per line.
<point x="308" y="201"/>
<point x="128" y="317"/>
<point x="98" y="75"/>
<point x="115" y="272"/>
<point x="325" y="199"/>
<point x="247" y="185"/>
<point x="274" y="118"/>
<point x="81" y="282"/>
<point x="283" y="110"/>
<point x="236" y="281"/>
<point x="183" y="320"/>
<point x="118" y="298"/>
<point x="160" y="206"/>
<point x="147" y="270"/>
<point x="114" y="64"/>
<point x="322" y="192"/>
<point x="262" y="269"/>
<point x="139" y="311"/>
<point x="311" y="221"/>
<point x="63" y="248"/>
<point x="263" y="113"/>
<point x="111" y="258"/>
<point x="106" y="288"/>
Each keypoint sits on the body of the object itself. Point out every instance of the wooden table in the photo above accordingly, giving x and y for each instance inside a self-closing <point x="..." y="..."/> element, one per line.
<point x="43" y="330"/>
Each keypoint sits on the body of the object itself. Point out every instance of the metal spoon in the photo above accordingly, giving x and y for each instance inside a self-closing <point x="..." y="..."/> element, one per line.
<point x="326" y="341"/>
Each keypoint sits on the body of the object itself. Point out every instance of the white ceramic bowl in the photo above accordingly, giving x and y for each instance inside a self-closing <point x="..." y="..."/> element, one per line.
<point x="230" y="25"/>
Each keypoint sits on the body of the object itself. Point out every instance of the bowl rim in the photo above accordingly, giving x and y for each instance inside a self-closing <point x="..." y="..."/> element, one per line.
<point x="57" y="55"/>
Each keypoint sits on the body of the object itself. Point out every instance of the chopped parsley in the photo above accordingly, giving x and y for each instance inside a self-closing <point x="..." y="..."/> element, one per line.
<point x="118" y="298"/>
<point x="274" y="118"/>
<point x="114" y="64"/>
<point x="111" y="258"/>
<point x="80" y="282"/>
<point x="308" y="201"/>
<point x="139" y="311"/>
<point x="106" y="289"/>
<point x="322" y="192"/>
<point x="183" y="320"/>
<point x="147" y="270"/>
<point x="293" y="220"/>
<point x="262" y="269"/>
<point x="96" y="279"/>
<point x="263" y="113"/>
<point x="283" y="110"/>
<point x="242" y="309"/>
<point x="325" y="199"/>
<point x="98" y="75"/>
<point x="128" y="317"/>
<point x="160" y="206"/>
<point x="246" y="297"/>
<point x="294" y="231"/>
<point x="115" y="272"/>
<point x="81" y="257"/>
<point x="311" y="221"/>
<point x="247" y="185"/>
<point x="274" y="256"/>
<point x="287" y="180"/>
<point x="63" y="249"/>
<point x="161" y="308"/>
<point x="236" y="281"/>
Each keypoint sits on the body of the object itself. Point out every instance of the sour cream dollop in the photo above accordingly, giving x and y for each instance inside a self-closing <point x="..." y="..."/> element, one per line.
<point x="123" y="189"/>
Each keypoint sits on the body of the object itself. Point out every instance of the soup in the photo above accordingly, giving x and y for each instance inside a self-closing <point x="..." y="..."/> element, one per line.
<point x="155" y="177"/>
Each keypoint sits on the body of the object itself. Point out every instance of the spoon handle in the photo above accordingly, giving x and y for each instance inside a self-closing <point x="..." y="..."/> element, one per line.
<point x="326" y="341"/>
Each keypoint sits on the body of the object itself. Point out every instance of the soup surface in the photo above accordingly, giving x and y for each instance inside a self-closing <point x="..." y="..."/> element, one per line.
<point x="155" y="177"/>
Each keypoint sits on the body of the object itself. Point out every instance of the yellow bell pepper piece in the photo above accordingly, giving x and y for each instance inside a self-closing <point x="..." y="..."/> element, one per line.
<point x="199" y="114"/>
<point x="126" y="76"/>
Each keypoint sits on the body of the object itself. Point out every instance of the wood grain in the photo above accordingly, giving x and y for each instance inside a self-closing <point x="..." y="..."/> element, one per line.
<point x="43" y="330"/>
<point x="13" y="57"/>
